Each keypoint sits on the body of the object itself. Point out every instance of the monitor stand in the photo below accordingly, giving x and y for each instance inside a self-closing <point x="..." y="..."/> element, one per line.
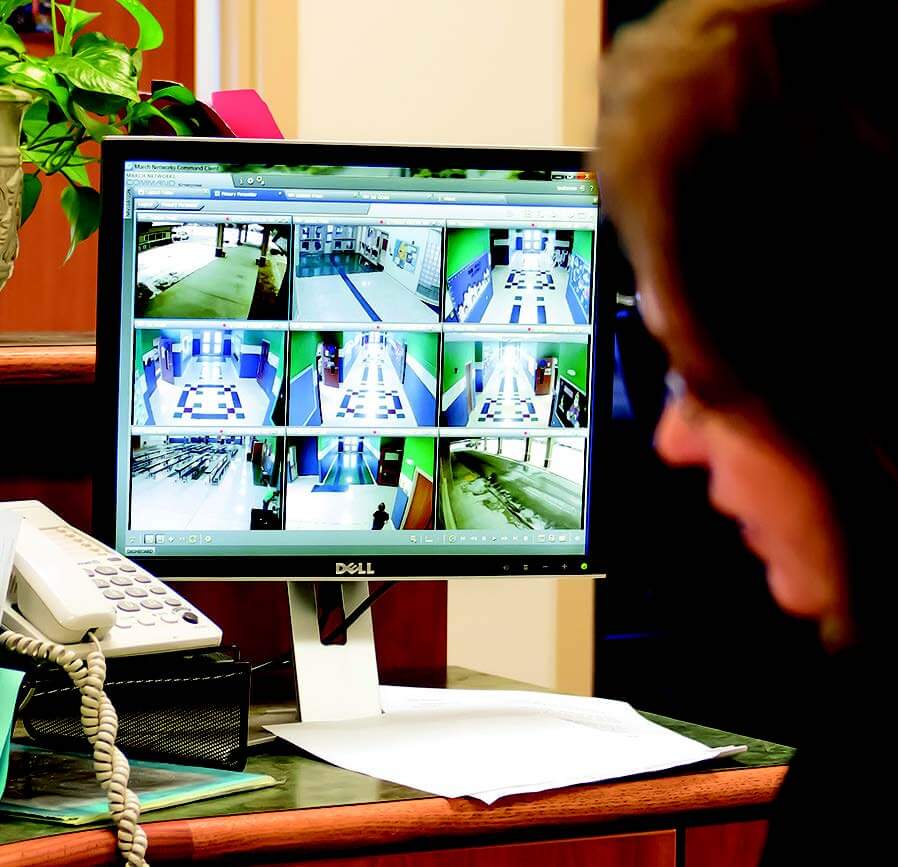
<point x="333" y="681"/>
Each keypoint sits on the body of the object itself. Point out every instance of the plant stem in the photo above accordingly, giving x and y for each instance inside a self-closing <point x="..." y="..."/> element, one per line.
<point x="47" y="142"/>
<point x="68" y="34"/>
<point x="53" y="24"/>
<point x="37" y="138"/>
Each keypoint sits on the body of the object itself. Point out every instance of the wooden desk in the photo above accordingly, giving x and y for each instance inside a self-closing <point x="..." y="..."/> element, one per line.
<point x="639" y="824"/>
<point x="336" y="818"/>
<point x="706" y="819"/>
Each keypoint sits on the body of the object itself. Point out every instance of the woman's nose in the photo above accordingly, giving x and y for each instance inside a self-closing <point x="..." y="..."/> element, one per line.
<point x="680" y="441"/>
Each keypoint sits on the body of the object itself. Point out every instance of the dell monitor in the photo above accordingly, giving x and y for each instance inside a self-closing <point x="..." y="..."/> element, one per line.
<point x="329" y="362"/>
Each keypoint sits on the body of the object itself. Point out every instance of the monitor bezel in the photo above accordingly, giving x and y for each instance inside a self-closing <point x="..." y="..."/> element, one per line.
<point x="116" y="151"/>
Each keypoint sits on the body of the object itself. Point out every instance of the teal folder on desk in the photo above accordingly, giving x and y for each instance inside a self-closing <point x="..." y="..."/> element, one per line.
<point x="10" y="681"/>
<point x="62" y="787"/>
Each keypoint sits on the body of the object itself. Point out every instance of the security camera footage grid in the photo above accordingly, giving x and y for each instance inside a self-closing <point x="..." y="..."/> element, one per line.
<point x="215" y="385"/>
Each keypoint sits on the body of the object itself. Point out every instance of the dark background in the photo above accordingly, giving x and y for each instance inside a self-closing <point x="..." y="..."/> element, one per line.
<point x="685" y="625"/>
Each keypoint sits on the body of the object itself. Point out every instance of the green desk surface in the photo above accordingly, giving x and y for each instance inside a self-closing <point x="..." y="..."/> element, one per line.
<point x="312" y="783"/>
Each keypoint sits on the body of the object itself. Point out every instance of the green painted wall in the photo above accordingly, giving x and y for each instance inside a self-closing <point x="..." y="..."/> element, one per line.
<point x="573" y="357"/>
<point x="423" y="346"/>
<point x="418" y="450"/>
<point x="255" y="338"/>
<point x="546" y="350"/>
<point x="325" y="444"/>
<point x="463" y="246"/>
<point x="583" y="244"/>
<point x="303" y="346"/>
<point x="143" y="342"/>
<point x="455" y="357"/>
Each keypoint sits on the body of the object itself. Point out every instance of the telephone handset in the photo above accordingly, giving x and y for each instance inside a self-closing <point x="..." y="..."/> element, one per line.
<point x="65" y="583"/>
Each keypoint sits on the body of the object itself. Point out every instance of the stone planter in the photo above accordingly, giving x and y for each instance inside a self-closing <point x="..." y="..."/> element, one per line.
<point x="12" y="106"/>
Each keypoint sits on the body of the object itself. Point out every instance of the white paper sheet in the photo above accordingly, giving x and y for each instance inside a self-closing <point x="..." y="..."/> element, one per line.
<point x="490" y="743"/>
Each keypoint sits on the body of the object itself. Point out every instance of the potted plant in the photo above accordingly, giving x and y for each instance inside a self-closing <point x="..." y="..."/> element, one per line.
<point x="54" y="109"/>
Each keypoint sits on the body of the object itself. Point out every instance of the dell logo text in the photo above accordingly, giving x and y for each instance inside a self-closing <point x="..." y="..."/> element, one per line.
<point x="354" y="569"/>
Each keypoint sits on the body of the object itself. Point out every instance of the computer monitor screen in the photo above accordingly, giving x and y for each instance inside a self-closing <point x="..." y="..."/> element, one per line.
<point x="350" y="361"/>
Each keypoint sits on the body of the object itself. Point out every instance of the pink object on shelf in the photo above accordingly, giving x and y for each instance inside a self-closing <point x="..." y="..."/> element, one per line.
<point x="246" y="113"/>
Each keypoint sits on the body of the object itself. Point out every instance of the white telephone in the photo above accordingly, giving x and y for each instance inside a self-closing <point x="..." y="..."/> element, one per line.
<point x="65" y="583"/>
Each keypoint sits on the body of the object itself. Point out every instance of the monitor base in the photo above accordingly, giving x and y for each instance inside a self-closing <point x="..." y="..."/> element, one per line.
<point x="333" y="681"/>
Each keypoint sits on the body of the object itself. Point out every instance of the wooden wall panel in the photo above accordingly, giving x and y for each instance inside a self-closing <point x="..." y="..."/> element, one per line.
<point x="735" y="844"/>
<point x="654" y="849"/>
<point x="44" y="294"/>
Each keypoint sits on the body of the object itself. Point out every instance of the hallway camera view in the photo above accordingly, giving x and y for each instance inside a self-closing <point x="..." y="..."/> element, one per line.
<point x="212" y="271"/>
<point x="506" y="381"/>
<point x="360" y="483"/>
<point x="363" y="378"/>
<point x="498" y="483"/>
<point x="208" y="376"/>
<point x="519" y="276"/>
<point x="367" y="273"/>
<point x="196" y="481"/>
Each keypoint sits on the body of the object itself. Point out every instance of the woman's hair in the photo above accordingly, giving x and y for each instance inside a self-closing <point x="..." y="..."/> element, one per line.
<point x="747" y="155"/>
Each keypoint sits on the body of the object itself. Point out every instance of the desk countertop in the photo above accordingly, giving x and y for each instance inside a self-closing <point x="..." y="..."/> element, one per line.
<point x="320" y="807"/>
<point x="53" y="359"/>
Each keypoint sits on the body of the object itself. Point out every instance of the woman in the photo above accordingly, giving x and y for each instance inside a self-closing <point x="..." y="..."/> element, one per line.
<point x="747" y="156"/>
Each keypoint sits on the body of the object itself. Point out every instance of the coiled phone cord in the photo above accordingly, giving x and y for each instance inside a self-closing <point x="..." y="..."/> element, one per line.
<point x="100" y="724"/>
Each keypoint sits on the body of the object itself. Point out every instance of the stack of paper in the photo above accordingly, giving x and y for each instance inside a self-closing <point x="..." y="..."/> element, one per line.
<point x="491" y="743"/>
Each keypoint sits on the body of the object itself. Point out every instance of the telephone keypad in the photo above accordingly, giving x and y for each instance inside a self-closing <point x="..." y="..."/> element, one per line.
<point x="150" y="602"/>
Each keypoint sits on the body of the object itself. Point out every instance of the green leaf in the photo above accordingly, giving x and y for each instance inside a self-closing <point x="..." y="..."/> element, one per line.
<point x="10" y="40"/>
<point x="99" y="103"/>
<point x="77" y="175"/>
<point x="177" y="92"/>
<point x="31" y="191"/>
<point x="144" y="112"/>
<point x="7" y="7"/>
<point x="97" y="129"/>
<point x="82" y="208"/>
<point x="7" y="57"/>
<point x="50" y="160"/>
<point x="151" y="35"/>
<point x="34" y="136"/>
<point x="34" y="74"/>
<point x="36" y="118"/>
<point x="75" y="19"/>
<point x="100" y="65"/>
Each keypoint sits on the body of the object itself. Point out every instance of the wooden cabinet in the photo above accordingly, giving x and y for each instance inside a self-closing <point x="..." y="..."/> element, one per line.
<point x="732" y="844"/>
<point x="653" y="849"/>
